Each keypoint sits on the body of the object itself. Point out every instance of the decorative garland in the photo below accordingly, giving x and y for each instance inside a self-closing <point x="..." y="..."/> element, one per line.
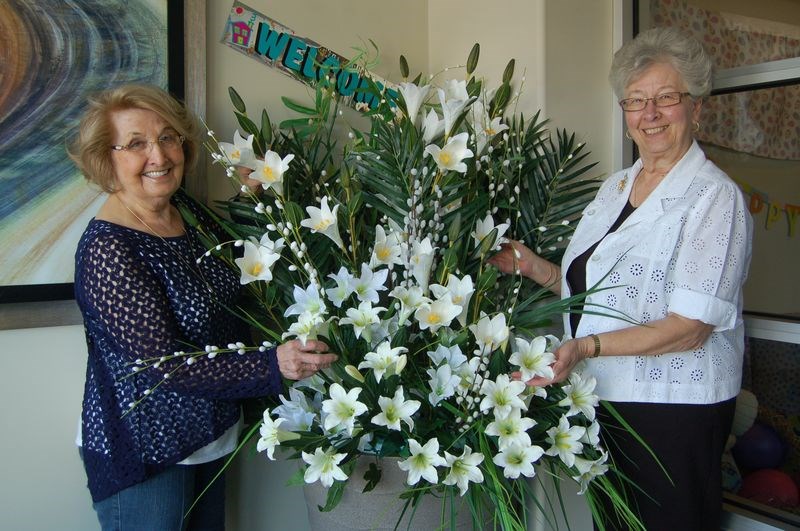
<point x="273" y="44"/>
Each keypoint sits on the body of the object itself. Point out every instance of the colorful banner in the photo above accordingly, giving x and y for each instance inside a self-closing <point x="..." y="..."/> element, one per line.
<point x="760" y="203"/>
<point x="273" y="44"/>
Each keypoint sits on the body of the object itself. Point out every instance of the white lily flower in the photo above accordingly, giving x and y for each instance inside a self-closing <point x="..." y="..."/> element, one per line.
<point x="306" y="300"/>
<point x="306" y="327"/>
<point x="267" y="243"/>
<point x="384" y="360"/>
<point x="490" y="333"/>
<point x="517" y="459"/>
<point x="240" y="153"/>
<point x="484" y="227"/>
<point x="565" y="441"/>
<point x="494" y="127"/>
<point x="272" y="435"/>
<point x="463" y="469"/>
<point x="394" y="410"/>
<point x="443" y="384"/>
<point x="460" y="292"/>
<point x="437" y="314"/>
<point x="421" y="261"/>
<point x="385" y="329"/>
<point x="451" y="109"/>
<point x="410" y="299"/>
<point x="370" y="283"/>
<point x="477" y="116"/>
<point x="342" y="408"/>
<point x="532" y="358"/>
<point x="589" y="469"/>
<point x="502" y="394"/>
<point x="470" y="375"/>
<point x="432" y="127"/>
<point x="450" y="355"/>
<point x="423" y="462"/>
<point x="414" y="96"/>
<point x="362" y="317"/>
<point x="323" y="220"/>
<point x="269" y="172"/>
<point x="316" y="383"/>
<point x="592" y="434"/>
<point x="256" y="263"/>
<point x="323" y="466"/>
<point x="345" y="282"/>
<point x="296" y="411"/>
<point x="452" y="155"/>
<point x="580" y="396"/>
<point x="456" y="89"/>
<point x="387" y="250"/>
<point x="511" y="429"/>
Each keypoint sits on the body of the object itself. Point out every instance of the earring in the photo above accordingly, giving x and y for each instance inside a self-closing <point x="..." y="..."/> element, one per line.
<point x="695" y="127"/>
<point x="628" y="135"/>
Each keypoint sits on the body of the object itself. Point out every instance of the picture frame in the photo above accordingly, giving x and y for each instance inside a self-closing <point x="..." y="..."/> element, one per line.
<point x="52" y="304"/>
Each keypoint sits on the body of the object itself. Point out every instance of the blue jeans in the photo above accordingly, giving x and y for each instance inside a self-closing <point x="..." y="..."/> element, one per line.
<point x="161" y="502"/>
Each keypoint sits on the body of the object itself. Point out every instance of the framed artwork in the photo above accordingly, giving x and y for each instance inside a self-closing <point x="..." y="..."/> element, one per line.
<point x="55" y="54"/>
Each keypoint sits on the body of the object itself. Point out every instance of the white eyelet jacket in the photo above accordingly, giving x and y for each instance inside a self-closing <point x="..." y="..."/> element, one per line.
<point x="685" y="250"/>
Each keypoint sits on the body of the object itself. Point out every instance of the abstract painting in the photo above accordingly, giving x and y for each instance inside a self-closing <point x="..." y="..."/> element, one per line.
<point x="53" y="55"/>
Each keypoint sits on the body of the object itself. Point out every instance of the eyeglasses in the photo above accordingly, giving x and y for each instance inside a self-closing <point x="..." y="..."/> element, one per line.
<point x="667" y="99"/>
<point x="167" y="142"/>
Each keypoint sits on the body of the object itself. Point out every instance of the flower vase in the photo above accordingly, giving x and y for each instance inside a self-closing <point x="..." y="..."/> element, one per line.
<point x="381" y="508"/>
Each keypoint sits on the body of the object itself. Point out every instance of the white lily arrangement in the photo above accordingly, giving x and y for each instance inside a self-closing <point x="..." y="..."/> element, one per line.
<point x="383" y="256"/>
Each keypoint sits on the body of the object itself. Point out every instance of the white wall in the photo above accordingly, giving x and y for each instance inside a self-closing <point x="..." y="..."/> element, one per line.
<point x="505" y="30"/>
<point x="578" y="52"/>
<point x="565" y="46"/>
<point x="42" y="484"/>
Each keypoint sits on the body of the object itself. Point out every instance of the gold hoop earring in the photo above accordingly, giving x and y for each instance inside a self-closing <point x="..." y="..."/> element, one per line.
<point x="695" y="127"/>
<point x="628" y="135"/>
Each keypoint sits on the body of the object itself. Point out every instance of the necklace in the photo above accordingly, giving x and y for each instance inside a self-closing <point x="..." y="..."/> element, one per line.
<point x="140" y="220"/>
<point x="635" y="188"/>
<point x="196" y="268"/>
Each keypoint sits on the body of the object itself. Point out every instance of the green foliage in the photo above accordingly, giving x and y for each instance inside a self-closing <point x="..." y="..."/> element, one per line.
<point x="519" y="180"/>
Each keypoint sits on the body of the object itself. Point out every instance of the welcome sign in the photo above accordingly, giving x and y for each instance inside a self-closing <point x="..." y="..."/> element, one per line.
<point x="273" y="44"/>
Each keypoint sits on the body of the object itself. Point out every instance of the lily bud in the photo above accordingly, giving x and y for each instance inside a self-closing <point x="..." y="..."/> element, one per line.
<point x="472" y="60"/>
<point x="403" y="67"/>
<point x="354" y="373"/>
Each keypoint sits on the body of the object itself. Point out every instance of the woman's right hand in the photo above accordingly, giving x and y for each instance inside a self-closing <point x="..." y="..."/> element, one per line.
<point x="514" y="258"/>
<point x="297" y="361"/>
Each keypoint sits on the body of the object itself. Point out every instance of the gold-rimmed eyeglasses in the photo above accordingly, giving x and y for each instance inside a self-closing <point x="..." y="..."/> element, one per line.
<point x="167" y="141"/>
<point x="667" y="99"/>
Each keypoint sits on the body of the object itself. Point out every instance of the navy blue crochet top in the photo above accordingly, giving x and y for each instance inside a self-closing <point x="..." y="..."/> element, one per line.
<point x="141" y="297"/>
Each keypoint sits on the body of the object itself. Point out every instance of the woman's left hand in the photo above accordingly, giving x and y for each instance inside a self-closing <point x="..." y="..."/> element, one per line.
<point x="297" y="361"/>
<point x="568" y="355"/>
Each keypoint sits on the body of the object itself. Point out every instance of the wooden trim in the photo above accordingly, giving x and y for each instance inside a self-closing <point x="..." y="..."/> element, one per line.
<point x="194" y="31"/>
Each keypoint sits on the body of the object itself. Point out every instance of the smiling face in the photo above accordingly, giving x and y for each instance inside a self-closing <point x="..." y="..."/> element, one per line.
<point x="662" y="134"/>
<point x="154" y="174"/>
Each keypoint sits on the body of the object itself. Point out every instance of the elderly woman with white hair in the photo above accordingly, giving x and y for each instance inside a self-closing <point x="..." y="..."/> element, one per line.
<point x="668" y="241"/>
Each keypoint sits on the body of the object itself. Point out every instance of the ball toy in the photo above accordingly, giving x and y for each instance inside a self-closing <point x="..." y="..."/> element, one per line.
<point x="745" y="413"/>
<point x="759" y="447"/>
<point x="771" y="487"/>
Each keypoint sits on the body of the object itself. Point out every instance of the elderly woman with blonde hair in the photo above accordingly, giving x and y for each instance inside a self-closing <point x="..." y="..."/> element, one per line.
<point x="144" y="295"/>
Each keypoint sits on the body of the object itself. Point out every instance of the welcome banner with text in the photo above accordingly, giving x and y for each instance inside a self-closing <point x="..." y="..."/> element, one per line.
<point x="273" y="44"/>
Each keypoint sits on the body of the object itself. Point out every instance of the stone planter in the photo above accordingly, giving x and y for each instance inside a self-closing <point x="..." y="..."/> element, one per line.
<point x="381" y="507"/>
